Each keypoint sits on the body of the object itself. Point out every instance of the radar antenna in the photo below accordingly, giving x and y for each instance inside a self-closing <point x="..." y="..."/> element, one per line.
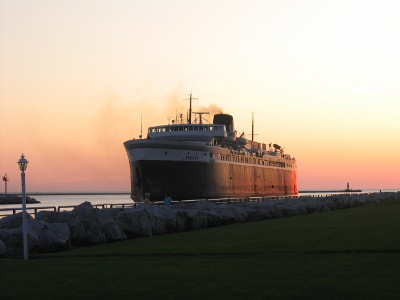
<point x="200" y="116"/>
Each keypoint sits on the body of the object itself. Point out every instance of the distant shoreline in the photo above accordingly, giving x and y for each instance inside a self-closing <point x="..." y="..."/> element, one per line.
<point x="333" y="191"/>
<point x="16" y="199"/>
<point x="128" y="193"/>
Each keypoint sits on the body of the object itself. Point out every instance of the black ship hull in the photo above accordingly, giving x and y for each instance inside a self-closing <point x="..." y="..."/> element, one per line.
<point x="186" y="180"/>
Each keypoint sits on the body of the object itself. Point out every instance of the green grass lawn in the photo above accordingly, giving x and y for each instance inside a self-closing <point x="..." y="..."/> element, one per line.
<point x="344" y="254"/>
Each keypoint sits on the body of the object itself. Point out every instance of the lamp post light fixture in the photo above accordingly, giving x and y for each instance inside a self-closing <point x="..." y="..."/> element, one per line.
<point x="23" y="163"/>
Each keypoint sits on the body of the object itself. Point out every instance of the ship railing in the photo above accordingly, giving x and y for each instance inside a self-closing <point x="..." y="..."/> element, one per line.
<point x="104" y="205"/>
<point x="216" y="201"/>
<point x="227" y="200"/>
<point x="33" y="210"/>
<point x="248" y="199"/>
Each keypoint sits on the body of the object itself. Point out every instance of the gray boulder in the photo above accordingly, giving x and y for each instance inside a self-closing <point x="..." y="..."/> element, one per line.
<point x="83" y="232"/>
<point x="257" y="213"/>
<point x="12" y="238"/>
<point x="273" y="209"/>
<point x="237" y="211"/>
<point x="104" y="219"/>
<point x="162" y="219"/>
<point x="85" y="210"/>
<point x="112" y="230"/>
<point x="41" y="237"/>
<point x="135" y="222"/>
<point x="88" y="233"/>
<point x="13" y="221"/>
<point x="180" y="219"/>
<point x="51" y="236"/>
<point x="198" y="219"/>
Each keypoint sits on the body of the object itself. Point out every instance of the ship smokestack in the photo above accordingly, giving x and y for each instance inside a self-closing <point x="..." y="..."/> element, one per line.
<point x="224" y="119"/>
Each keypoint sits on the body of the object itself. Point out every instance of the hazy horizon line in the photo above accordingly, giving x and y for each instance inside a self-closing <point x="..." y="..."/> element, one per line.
<point x="128" y="193"/>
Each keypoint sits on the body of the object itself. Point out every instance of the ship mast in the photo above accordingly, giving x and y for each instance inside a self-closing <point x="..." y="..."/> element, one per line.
<point x="190" y="107"/>
<point x="141" y="127"/>
<point x="252" y="127"/>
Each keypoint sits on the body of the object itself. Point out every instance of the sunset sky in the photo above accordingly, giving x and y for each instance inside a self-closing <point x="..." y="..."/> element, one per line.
<point x="322" y="78"/>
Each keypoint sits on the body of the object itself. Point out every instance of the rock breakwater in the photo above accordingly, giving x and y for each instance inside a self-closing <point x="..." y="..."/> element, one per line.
<point x="14" y="199"/>
<point x="85" y="225"/>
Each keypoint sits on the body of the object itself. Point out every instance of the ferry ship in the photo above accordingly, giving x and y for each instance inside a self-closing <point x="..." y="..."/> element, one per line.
<point x="197" y="160"/>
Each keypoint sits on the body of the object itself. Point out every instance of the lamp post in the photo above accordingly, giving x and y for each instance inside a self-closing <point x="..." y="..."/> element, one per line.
<point x="23" y="163"/>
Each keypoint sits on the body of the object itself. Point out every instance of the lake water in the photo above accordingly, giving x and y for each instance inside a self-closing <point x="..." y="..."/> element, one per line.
<point x="99" y="199"/>
<point x="72" y="200"/>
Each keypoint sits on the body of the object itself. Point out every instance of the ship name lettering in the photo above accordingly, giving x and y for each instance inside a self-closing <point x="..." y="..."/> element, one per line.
<point x="192" y="157"/>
